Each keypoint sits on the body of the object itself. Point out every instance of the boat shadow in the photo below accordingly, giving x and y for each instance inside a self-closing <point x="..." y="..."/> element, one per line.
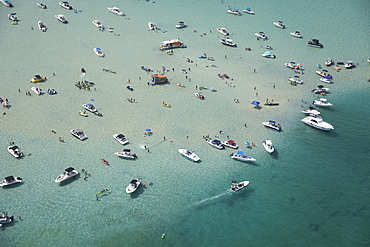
<point x="138" y="192"/>
<point x="275" y="154"/>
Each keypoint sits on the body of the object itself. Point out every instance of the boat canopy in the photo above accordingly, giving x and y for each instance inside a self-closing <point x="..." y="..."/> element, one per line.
<point x="230" y="141"/>
<point x="126" y="150"/>
<point x="121" y="136"/>
<point x="241" y="152"/>
<point x="9" y="179"/>
<point x="70" y="169"/>
<point x="216" y="142"/>
<point x="272" y="121"/>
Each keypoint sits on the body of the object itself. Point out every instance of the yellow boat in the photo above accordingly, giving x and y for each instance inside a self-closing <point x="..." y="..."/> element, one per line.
<point x="38" y="78"/>
<point x="166" y="105"/>
<point x="336" y="67"/>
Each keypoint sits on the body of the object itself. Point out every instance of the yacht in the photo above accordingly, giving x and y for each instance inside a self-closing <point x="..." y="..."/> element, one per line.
<point x="320" y="89"/>
<point x="248" y="11"/>
<point x="223" y="31"/>
<point x="279" y="24"/>
<point x="61" y="18"/>
<point x="67" y="174"/>
<point x="99" y="52"/>
<point x="329" y="62"/>
<point x="97" y="23"/>
<point x="234" y="12"/>
<point x="230" y="144"/>
<point x="272" y="124"/>
<point x="215" y="143"/>
<point x="315" y="43"/>
<point x="41" y="25"/>
<point x="12" y="17"/>
<point x="133" y="185"/>
<point x="261" y="35"/>
<point x="322" y="102"/>
<point x="170" y="44"/>
<point x="152" y="25"/>
<point x="79" y="134"/>
<point x="228" y="42"/>
<point x="10" y="180"/>
<point x="267" y="144"/>
<point x="349" y="65"/>
<point x="65" y="5"/>
<point x="126" y="153"/>
<point x="235" y="186"/>
<point x="181" y="24"/>
<point x="43" y="6"/>
<point x="120" y="138"/>
<point x="317" y="122"/>
<point x="116" y="11"/>
<point x="188" y="154"/>
<point x="311" y="110"/>
<point x="296" y="34"/>
<point x="240" y="155"/>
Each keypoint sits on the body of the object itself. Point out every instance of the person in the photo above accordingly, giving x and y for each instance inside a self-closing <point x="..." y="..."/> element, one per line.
<point x="61" y="139"/>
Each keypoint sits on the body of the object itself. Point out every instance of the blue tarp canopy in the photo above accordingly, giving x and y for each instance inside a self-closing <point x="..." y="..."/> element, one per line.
<point x="272" y="121"/>
<point x="241" y="152"/>
<point x="255" y="102"/>
<point x="98" y="49"/>
<point x="148" y="130"/>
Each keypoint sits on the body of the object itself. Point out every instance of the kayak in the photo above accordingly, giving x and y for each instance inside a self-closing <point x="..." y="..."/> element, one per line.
<point x="104" y="161"/>
<point x="103" y="191"/>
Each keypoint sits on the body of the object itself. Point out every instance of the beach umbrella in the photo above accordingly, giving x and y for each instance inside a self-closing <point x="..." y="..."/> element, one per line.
<point x="255" y="103"/>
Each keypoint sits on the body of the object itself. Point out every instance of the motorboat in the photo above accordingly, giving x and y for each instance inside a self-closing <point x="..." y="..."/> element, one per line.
<point x="228" y="42"/>
<point x="97" y="23"/>
<point x="326" y="80"/>
<point x="65" y="5"/>
<point x="261" y="35"/>
<point x="329" y="62"/>
<point x="152" y="25"/>
<point x="15" y="151"/>
<point x="61" y="18"/>
<point x="317" y="122"/>
<point x="181" y="24"/>
<point x="110" y="29"/>
<point x="131" y="100"/>
<point x="7" y="3"/>
<point x="320" y="89"/>
<point x="199" y="95"/>
<point x="248" y="11"/>
<point x="170" y="44"/>
<point x="37" y="90"/>
<point x="189" y="60"/>
<point x="311" y="110"/>
<point x="322" y="102"/>
<point x="51" y="91"/>
<point x="324" y="74"/>
<point x="215" y="143"/>
<point x="235" y="186"/>
<point x="90" y="108"/>
<point x="349" y="65"/>
<point x="234" y="11"/>
<point x="223" y="31"/>
<point x="267" y="54"/>
<point x="99" y="52"/>
<point x="188" y="154"/>
<point x="272" y="124"/>
<point x="267" y="144"/>
<point x="116" y="11"/>
<point x="79" y="134"/>
<point x="41" y="25"/>
<point x="296" y="34"/>
<point x="10" y="180"/>
<point x="315" y="43"/>
<point x="133" y="185"/>
<point x="43" y="6"/>
<point x="67" y="174"/>
<point x="166" y="105"/>
<point x="5" y="218"/>
<point x="279" y="24"/>
<point x="240" y="155"/>
<point x="12" y="17"/>
<point x="120" y="138"/>
<point x="83" y="113"/>
<point x="230" y="144"/>
<point x="126" y="153"/>
<point x="292" y="65"/>
<point x="38" y="78"/>
<point x="268" y="47"/>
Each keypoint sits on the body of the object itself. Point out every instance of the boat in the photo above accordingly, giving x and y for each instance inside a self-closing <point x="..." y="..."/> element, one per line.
<point x="292" y="65"/>
<point x="10" y="180"/>
<point x="211" y="58"/>
<point x="133" y="185"/>
<point x="180" y="85"/>
<point x="120" y="138"/>
<point x="279" y="24"/>
<point x="296" y="34"/>
<point x="97" y="23"/>
<point x="261" y="35"/>
<point x="272" y="124"/>
<point x="230" y="144"/>
<point x="267" y="54"/>
<point x="199" y="95"/>
<point x="152" y="25"/>
<point x="116" y="11"/>
<point x="234" y="11"/>
<point x="5" y="218"/>
<point x="61" y="18"/>
<point x="189" y="60"/>
<point x="41" y="25"/>
<point x="267" y="144"/>
<point x="51" y="91"/>
<point x="37" y="90"/>
<point x="169" y="52"/>
<point x="38" y="78"/>
<point x="320" y="89"/>
<point x="83" y="113"/>
<point x="99" y="52"/>
<point x="12" y="17"/>
<point x="311" y="110"/>
<point x="65" y="5"/>
<point x="170" y="44"/>
<point x="268" y="47"/>
<point x="131" y="100"/>
<point x="188" y="154"/>
<point x="166" y="105"/>
<point x="43" y="6"/>
<point x="67" y="174"/>
<point x="79" y="134"/>
<point x="317" y="122"/>
<point x="322" y="102"/>
<point x="7" y="3"/>
<point x="272" y="103"/>
<point x="146" y="69"/>
<point x="326" y="80"/>
<point x="130" y="88"/>
<point x="248" y="11"/>
<point x="110" y="29"/>
<point x="181" y="24"/>
<point x="235" y="186"/>
<point x="295" y="79"/>
<point x="126" y="153"/>
<point x="240" y="155"/>
<point x="223" y="31"/>
<point x="315" y="43"/>
<point x="103" y="191"/>
<point x="215" y="143"/>
<point x="329" y="62"/>
<point x="104" y="161"/>
<point x="324" y="74"/>
<point x="228" y="42"/>
<point x="349" y="65"/>
<point x="15" y="151"/>
<point x="90" y="108"/>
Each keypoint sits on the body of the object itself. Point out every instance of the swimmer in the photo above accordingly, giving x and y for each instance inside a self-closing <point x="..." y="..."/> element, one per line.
<point x="61" y="139"/>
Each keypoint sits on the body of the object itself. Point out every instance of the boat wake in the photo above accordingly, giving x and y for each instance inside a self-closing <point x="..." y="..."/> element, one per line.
<point x="213" y="197"/>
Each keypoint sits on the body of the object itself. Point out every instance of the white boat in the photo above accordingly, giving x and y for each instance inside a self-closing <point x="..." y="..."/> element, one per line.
<point x="99" y="52"/>
<point x="188" y="154"/>
<point x="240" y="155"/>
<point x="61" y="18"/>
<point x="152" y="25"/>
<point x="296" y="34"/>
<point x="12" y="17"/>
<point x="10" y="180"/>
<point x="326" y="80"/>
<point x="230" y="144"/>
<point x="329" y="61"/>
<point x="324" y="74"/>
<point x="317" y="122"/>
<point x="37" y="90"/>
<point x="199" y="96"/>
<point x="65" y="5"/>
<point x="349" y="65"/>
<point x="181" y="24"/>
<point x="228" y="42"/>
<point x="170" y="44"/>
<point x="267" y="144"/>
<point x="79" y="134"/>
<point x="272" y="124"/>
<point x="7" y="3"/>
<point x="15" y="151"/>
<point x="83" y="113"/>
<point x="41" y="25"/>
<point x="133" y="185"/>
<point x="215" y="143"/>
<point x="261" y="35"/>
<point x="235" y="186"/>
<point x="315" y="43"/>
<point x="248" y="11"/>
<point x="97" y="23"/>
<point x="279" y="24"/>
<point x="116" y="11"/>
<point x="322" y="102"/>
<point x="67" y="174"/>
<point x="120" y="138"/>
<point x="292" y="65"/>
<point x="5" y="218"/>
<point x="223" y="31"/>
<point x="90" y="108"/>
<point x="234" y="12"/>
<point x="311" y="110"/>
<point x="268" y="54"/>
<point x="320" y="89"/>
<point x="43" y="6"/>
<point x="126" y="153"/>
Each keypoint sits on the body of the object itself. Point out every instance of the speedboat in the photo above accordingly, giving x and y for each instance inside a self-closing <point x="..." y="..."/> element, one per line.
<point x="166" y="105"/>
<point x="272" y="124"/>
<point x="43" y="6"/>
<point x="248" y="11"/>
<point x="234" y="12"/>
<point x="311" y="110"/>
<point x="126" y="153"/>
<point x="324" y="74"/>
<point x="37" y="90"/>
<point x="199" y="95"/>
<point x="240" y="155"/>
<point x="51" y="91"/>
<point x="261" y="35"/>
<point x="329" y="61"/>
<point x="296" y="34"/>
<point x="223" y="31"/>
<point x="228" y="42"/>
<point x="267" y="54"/>
<point x="215" y="143"/>
<point x="267" y="144"/>
<point x="152" y="25"/>
<point x="349" y="65"/>
<point x="292" y="65"/>
<point x="12" y="17"/>
<point x="5" y="218"/>
<point x="170" y="44"/>
<point x="230" y="144"/>
<point x="61" y="18"/>
<point x="181" y="24"/>
<point x="7" y="3"/>
<point x="268" y="47"/>
<point x="133" y="185"/>
<point x="116" y="11"/>
<point x="79" y="134"/>
<point x="317" y="122"/>
<point x="99" y="52"/>
<point x="279" y="24"/>
<point x="320" y="89"/>
<point x="41" y="25"/>
<point x="90" y="107"/>
<point x="10" y="180"/>
<point x="15" y="151"/>
<point x="38" y="78"/>
<point x="67" y="174"/>
<point x="65" y="5"/>
<point x="188" y="154"/>
<point x="315" y="43"/>
<point x="322" y="102"/>
<point x="235" y="186"/>
<point x="97" y="23"/>
<point x="326" y="80"/>
<point x="83" y="113"/>
<point x="120" y="138"/>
